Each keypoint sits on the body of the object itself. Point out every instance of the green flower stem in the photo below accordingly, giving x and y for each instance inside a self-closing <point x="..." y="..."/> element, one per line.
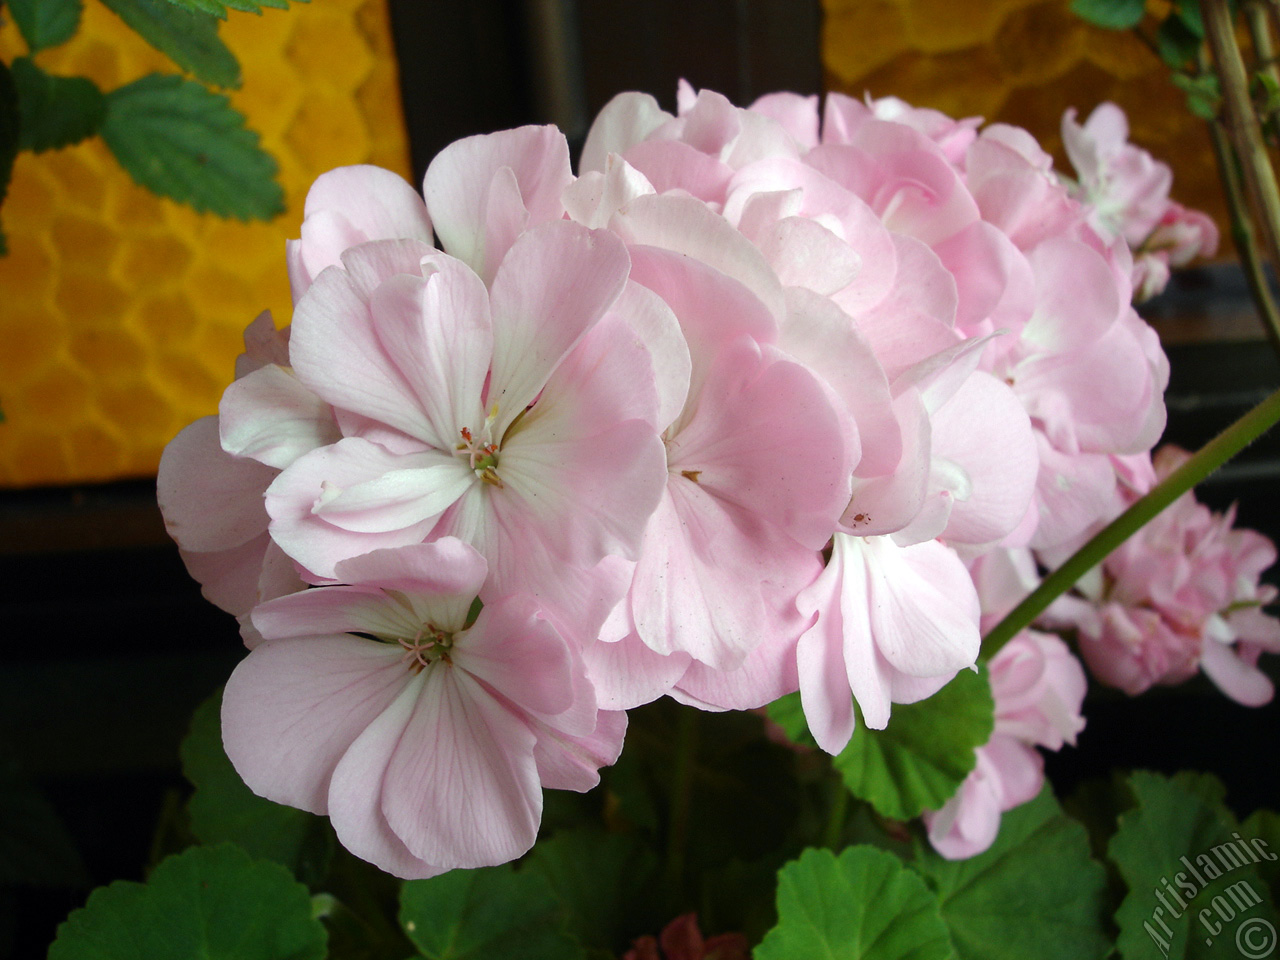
<point x="1211" y="456"/>
<point x="834" y="833"/>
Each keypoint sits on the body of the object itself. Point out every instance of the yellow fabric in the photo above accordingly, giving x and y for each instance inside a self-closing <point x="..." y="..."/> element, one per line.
<point x="121" y="313"/>
<point x="1021" y="62"/>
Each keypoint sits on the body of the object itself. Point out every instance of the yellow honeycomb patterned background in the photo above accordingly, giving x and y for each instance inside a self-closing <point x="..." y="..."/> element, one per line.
<point x="1022" y="62"/>
<point x="121" y="313"/>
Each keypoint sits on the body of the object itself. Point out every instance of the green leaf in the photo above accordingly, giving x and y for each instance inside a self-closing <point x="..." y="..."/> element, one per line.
<point x="55" y="111"/>
<point x="920" y="759"/>
<point x="219" y="7"/>
<point x="187" y="37"/>
<point x="182" y="141"/>
<point x="1203" y="93"/>
<point x="1110" y="14"/>
<point x="1188" y="13"/>
<point x="46" y="23"/>
<point x="10" y="131"/>
<point x="600" y="879"/>
<point x="864" y="905"/>
<point x="1035" y="893"/>
<point x="1263" y="828"/>
<point x="1177" y="44"/>
<point x="494" y="913"/>
<point x="209" y="902"/>
<point x="1193" y="887"/>
<point x="222" y="808"/>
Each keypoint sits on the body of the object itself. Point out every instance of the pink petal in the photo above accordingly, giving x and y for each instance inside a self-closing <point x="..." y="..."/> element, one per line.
<point x="458" y="182"/>
<point x="623" y="122"/>
<point x="554" y="285"/>
<point x="1241" y="681"/>
<point x="294" y="706"/>
<point x="271" y="417"/>
<point x="210" y="500"/>
<point x="573" y="762"/>
<point x="461" y="787"/>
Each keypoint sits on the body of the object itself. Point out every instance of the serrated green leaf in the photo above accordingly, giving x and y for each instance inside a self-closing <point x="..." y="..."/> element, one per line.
<point x="55" y="111"/>
<point x="182" y="141"/>
<point x="222" y="808"/>
<point x="494" y="913"/>
<point x="920" y="759"/>
<point x="219" y="7"/>
<point x="215" y="903"/>
<point x="1177" y="853"/>
<point x="46" y="23"/>
<point x="863" y="905"/>
<point x="1177" y="45"/>
<point x="1035" y="893"/>
<point x="600" y="880"/>
<point x="187" y="37"/>
<point x="1110" y="14"/>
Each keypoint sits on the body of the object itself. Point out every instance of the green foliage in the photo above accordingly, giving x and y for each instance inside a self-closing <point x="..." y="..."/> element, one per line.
<point x="600" y="880"/>
<point x="45" y="23"/>
<point x="1203" y="93"/>
<point x="210" y="902"/>
<point x="863" y="905"/>
<point x="920" y="759"/>
<point x="182" y="141"/>
<point x="223" y="808"/>
<point x="10" y="123"/>
<point x="55" y="111"/>
<point x="219" y="7"/>
<point x="1110" y="14"/>
<point x="1035" y="893"/>
<point x="1177" y="44"/>
<point x="1175" y="839"/>
<point x="188" y="38"/>
<point x="494" y="913"/>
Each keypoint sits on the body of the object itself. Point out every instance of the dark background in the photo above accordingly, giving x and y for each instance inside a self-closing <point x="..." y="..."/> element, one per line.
<point x="108" y="646"/>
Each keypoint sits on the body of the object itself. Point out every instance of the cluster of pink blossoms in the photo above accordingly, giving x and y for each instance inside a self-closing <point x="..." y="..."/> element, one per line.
<point x="729" y="414"/>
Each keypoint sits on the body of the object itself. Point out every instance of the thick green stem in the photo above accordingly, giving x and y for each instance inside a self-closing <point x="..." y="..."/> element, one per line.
<point x="836" y="817"/>
<point x="1211" y="456"/>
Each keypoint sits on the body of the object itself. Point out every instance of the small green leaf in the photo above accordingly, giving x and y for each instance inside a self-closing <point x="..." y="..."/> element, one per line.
<point x="1191" y="883"/>
<point x="209" y="902"/>
<point x="46" y="23"/>
<point x="55" y="111"/>
<point x="1035" y="893"/>
<point x="920" y="759"/>
<point x="864" y="905"/>
<point x="223" y="808"/>
<point x="182" y="141"/>
<point x="599" y="878"/>
<point x="1188" y="12"/>
<point x="494" y="913"/>
<point x="1177" y="45"/>
<point x="1203" y="93"/>
<point x="1262" y="832"/>
<point x="187" y="37"/>
<point x="1111" y="14"/>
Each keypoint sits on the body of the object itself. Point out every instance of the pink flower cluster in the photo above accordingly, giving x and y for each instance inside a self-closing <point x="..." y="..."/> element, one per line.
<point x="1127" y="192"/>
<point x="1180" y="596"/>
<point x="1039" y="688"/>
<point x="723" y="416"/>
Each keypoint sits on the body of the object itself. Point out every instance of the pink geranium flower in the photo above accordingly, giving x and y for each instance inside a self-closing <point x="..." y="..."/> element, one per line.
<point x="1039" y="688"/>
<point x="425" y="737"/>
<point x="520" y="419"/>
